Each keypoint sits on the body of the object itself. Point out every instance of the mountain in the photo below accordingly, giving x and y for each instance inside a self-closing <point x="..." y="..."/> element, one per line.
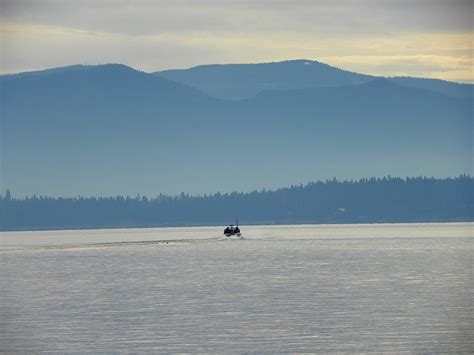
<point x="45" y="72"/>
<point x="106" y="130"/>
<point x="87" y="123"/>
<point x="441" y="86"/>
<point x="240" y="81"/>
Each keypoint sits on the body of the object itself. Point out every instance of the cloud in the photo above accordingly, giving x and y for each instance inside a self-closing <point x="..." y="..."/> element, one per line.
<point x="423" y="38"/>
<point x="324" y="16"/>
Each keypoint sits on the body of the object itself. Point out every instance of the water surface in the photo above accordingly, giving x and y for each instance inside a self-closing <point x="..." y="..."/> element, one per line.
<point x="343" y="288"/>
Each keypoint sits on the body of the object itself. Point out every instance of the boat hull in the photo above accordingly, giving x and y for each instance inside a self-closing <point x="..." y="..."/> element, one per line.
<point x="232" y="234"/>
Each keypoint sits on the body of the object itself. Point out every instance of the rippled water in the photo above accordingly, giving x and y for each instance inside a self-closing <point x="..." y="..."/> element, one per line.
<point x="279" y="289"/>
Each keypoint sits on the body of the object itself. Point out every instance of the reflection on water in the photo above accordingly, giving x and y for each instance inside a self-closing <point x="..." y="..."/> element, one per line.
<point x="281" y="288"/>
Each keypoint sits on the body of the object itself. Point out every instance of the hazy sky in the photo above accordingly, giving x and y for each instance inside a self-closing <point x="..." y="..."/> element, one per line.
<point x="430" y="38"/>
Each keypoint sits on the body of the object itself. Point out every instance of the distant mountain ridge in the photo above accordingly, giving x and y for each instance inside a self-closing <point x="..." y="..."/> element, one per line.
<point x="75" y="67"/>
<point x="110" y="129"/>
<point x="240" y="81"/>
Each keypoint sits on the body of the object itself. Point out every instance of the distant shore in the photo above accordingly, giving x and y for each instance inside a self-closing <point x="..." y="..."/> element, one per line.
<point x="374" y="200"/>
<point x="217" y="226"/>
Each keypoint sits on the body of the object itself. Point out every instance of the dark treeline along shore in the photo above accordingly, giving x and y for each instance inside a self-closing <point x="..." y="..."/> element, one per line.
<point x="371" y="200"/>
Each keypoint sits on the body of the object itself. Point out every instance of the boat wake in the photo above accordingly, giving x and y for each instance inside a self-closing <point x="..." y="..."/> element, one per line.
<point x="233" y="237"/>
<point x="115" y="244"/>
<point x="129" y="242"/>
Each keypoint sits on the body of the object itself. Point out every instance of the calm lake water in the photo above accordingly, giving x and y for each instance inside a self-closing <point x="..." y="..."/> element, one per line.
<point x="345" y="288"/>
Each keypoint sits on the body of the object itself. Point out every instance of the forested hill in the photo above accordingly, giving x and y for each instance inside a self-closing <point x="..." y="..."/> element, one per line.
<point x="365" y="201"/>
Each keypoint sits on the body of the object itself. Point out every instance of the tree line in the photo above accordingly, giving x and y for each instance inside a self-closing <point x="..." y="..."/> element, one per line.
<point x="372" y="200"/>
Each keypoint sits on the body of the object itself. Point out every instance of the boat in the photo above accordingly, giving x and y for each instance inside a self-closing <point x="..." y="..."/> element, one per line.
<point x="232" y="230"/>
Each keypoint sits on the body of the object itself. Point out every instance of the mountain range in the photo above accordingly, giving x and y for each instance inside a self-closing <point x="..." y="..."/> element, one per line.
<point x="110" y="129"/>
<point x="241" y="81"/>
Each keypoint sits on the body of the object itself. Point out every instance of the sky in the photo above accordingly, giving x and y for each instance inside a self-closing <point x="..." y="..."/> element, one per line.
<point x="423" y="38"/>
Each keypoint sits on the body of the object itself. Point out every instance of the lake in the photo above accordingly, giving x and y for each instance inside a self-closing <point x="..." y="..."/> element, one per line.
<point x="305" y="288"/>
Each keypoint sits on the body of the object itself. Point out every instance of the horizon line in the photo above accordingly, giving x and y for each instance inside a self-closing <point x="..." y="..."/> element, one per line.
<point x="462" y="82"/>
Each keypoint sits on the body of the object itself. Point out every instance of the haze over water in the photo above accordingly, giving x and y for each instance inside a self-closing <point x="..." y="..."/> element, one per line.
<point x="406" y="287"/>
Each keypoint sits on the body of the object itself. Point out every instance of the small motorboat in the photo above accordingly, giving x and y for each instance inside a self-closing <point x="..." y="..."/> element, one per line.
<point x="232" y="230"/>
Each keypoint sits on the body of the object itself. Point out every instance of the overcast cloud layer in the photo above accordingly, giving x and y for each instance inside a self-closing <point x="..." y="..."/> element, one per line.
<point x="419" y="38"/>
